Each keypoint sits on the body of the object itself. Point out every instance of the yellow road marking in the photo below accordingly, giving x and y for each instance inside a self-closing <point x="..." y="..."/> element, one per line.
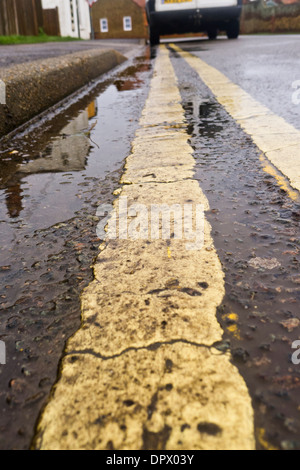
<point x="142" y="372"/>
<point x="263" y="441"/>
<point x="278" y="140"/>
<point x="281" y="180"/>
<point x="233" y="327"/>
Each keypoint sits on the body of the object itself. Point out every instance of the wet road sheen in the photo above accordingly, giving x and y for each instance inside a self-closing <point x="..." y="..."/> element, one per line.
<point x="264" y="66"/>
<point x="256" y="231"/>
<point x="52" y="180"/>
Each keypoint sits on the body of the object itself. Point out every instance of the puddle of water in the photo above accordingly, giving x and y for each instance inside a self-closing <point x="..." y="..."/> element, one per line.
<point x="40" y="174"/>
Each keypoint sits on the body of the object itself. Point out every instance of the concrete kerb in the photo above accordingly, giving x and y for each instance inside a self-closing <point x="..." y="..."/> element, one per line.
<point x="31" y="88"/>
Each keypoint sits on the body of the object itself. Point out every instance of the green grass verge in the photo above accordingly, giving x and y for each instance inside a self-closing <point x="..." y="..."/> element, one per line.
<point x="7" y="40"/>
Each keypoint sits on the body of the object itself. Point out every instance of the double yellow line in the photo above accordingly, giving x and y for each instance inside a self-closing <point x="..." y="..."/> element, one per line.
<point x="278" y="140"/>
<point x="143" y="372"/>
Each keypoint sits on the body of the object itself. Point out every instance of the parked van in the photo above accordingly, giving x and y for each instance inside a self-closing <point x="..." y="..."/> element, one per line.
<point x="193" y="16"/>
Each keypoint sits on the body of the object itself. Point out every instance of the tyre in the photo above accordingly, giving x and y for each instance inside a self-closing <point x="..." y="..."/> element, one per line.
<point x="154" y="36"/>
<point x="212" y="33"/>
<point x="233" y="29"/>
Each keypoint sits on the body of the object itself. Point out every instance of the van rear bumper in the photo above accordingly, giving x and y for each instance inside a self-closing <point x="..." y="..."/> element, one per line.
<point x="192" y="21"/>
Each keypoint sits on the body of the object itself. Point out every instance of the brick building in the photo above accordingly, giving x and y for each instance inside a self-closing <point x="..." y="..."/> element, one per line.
<point x="119" y="19"/>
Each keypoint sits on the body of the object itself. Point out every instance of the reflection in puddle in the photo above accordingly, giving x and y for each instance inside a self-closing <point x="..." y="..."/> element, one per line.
<point x="203" y="113"/>
<point x="41" y="174"/>
<point x="66" y="153"/>
<point x="129" y="79"/>
<point x="14" y="200"/>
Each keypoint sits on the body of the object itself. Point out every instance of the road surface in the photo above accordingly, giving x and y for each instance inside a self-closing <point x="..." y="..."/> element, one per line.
<point x="171" y="347"/>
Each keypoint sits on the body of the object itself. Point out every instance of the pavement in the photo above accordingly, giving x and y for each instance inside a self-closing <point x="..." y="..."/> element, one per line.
<point x="34" y="87"/>
<point x="20" y="54"/>
<point x="38" y="76"/>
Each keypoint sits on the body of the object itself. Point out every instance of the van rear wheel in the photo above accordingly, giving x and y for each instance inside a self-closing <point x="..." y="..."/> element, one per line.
<point x="212" y="33"/>
<point x="154" y="36"/>
<point x="233" y="29"/>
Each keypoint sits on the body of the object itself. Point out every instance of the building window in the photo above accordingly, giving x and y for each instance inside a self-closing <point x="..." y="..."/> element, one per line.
<point x="104" y="25"/>
<point x="127" y="23"/>
<point x="72" y="15"/>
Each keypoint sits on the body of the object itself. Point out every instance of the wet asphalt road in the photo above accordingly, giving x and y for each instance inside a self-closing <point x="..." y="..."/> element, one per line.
<point x="250" y="216"/>
<point x="53" y="179"/>
<point x="264" y="66"/>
